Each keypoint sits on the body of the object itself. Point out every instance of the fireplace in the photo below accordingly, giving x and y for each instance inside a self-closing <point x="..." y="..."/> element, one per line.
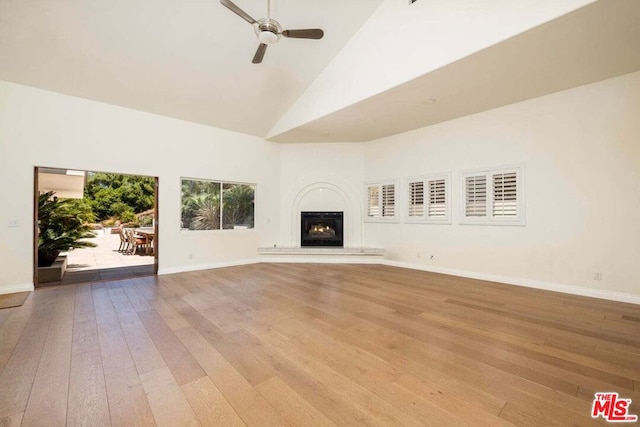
<point x="321" y="229"/>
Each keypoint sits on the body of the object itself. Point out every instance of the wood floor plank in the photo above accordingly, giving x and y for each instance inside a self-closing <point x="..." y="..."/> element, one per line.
<point x="169" y="314"/>
<point x="11" y="330"/>
<point x="251" y="367"/>
<point x="83" y="306"/>
<point x="465" y="374"/>
<point x="558" y="353"/>
<point x="449" y="399"/>
<point x="12" y="421"/>
<point x="168" y="404"/>
<point x="87" y="402"/>
<point x="304" y="382"/>
<point x="574" y="368"/>
<point x="136" y="299"/>
<point x="128" y="404"/>
<point x="313" y="344"/>
<point x="347" y="399"/>
<point x="5" y="314"/>
<point x="359" y="365"/>
<point x="142" y="349"/>
<point x="531" y="415"/>
<point x="113" y="346"/>
<point x="183" y="366"/>
<point x="19" y="372"/>
<point x="210" y="406"/>
<point x="247" y="402"/>
<point x="291" y="405"/>
<point x="427" y="341"/>
<point x="48" y="398"/>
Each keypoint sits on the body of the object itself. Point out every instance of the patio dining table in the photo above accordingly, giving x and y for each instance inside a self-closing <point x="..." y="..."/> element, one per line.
<point x="148" y="233"/>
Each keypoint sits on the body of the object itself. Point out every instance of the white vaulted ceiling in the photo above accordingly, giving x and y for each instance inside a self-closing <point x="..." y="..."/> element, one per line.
<point x="187" y="59"/>
<point x="192" y="59"/>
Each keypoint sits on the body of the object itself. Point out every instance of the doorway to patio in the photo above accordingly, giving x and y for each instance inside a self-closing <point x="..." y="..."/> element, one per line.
<point x="92" y="226"/>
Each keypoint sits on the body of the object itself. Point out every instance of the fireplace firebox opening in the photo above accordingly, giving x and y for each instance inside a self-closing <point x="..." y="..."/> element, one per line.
<point x="321" y="229"/>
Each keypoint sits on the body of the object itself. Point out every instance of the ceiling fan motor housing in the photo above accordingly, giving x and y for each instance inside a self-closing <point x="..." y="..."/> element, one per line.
<point x="268" y="31"/>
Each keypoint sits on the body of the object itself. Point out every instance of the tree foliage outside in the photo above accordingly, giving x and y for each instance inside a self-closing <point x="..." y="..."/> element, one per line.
<point x="208" y="205"/>
<point x="237" y="205"/>
<point x="121" y="196"/>
<point x="207" y="216"/>
<point x="201" y="205"/>
<point x="61" y="226"/>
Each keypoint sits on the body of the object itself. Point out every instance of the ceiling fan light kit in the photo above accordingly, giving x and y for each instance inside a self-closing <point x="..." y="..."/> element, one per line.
<point x="269" y="31"/>
<point x="267" y="37"/>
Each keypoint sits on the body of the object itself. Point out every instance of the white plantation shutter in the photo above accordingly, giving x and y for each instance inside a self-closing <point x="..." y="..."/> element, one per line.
<point x="505" y="195"/>
<point x="416" y="199"/>
<point x="381" y="201"/>
<point x="427" y="199"/>
<point x="475" y="190"/>
<point x="494" y="196"/>
<point x="437" y="198"/>
<point x="373" y="201"/>
<point x="388" y="200"/>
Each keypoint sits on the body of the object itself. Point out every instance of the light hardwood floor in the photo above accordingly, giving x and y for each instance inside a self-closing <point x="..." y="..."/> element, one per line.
<point x="309" y="344"/>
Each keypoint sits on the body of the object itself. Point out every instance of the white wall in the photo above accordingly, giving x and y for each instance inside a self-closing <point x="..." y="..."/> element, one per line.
<point x="39" y="128"/>
<point x="582" y="158"/>
<point x="321" y="177"/>
<point x="401" y="42"/>
<point x="579" y="148"/>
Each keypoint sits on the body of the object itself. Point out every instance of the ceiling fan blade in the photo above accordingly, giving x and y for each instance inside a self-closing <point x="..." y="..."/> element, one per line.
<point x="235" y="9"/>
<point x="314" y="33"/>
<point x="257" y="58"/>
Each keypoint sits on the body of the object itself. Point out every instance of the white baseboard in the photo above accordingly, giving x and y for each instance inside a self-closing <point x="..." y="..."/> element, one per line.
<point x="11" y="289"/>
<point x="536" y="284"/>
<point x="197" y="267"/>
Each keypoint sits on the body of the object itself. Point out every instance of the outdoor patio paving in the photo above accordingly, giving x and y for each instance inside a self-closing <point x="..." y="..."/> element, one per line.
<point x="105" y="262"/>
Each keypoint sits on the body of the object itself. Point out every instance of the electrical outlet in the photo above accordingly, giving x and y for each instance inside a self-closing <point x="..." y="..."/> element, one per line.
<point x="597" y="275"/>
<point x="14" y="223"/>
<point x="190" y="256"/>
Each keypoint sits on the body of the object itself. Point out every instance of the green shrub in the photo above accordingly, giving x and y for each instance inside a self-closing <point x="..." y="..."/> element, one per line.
<point x="60" y="228"/>
<point x="110" y="222"/>
<point x="146" y="221"/>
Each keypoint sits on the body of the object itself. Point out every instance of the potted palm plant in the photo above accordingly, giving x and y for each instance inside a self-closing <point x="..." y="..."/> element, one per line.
<point x="61" y="227"/>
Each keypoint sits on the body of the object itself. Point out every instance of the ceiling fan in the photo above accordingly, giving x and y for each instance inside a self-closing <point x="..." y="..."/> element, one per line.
<point x="269" y="30"/>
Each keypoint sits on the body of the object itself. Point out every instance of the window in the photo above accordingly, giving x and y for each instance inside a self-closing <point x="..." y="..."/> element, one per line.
<point x="475" y="188"/>
<point x="493" y="196"/>
<point x="381" y="201"/>
<point x="428" y="199"/>
<point x="373" y="201"/>
<point x="214" y="205"/>
<point x="388" y="200"/>
<point x="505" y="195"/>
<point x="416" y="199"/>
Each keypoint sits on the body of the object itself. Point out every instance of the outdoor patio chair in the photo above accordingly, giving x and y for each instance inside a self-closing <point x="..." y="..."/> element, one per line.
<point x="135" y="241"/>
<point x="124" y="240"/>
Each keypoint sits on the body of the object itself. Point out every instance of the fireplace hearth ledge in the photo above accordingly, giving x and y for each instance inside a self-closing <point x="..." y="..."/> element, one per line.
<point x="313" y="250"/>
